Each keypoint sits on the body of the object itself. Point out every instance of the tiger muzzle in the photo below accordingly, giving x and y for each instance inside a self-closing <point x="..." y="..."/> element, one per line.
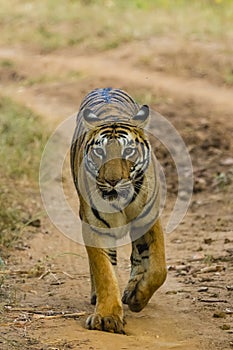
<point x="116" y="189"/>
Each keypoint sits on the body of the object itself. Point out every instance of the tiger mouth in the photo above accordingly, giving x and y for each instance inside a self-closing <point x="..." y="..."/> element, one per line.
<point x="114" y="194"/>
<point x="110" y="195"/>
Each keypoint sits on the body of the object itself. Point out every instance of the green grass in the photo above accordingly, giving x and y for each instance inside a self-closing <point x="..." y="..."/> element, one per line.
<point x="69" y="76"/>
<point x="21" y="145"/>
<point x="6" y="63"/>
<point x="47" y="25"/>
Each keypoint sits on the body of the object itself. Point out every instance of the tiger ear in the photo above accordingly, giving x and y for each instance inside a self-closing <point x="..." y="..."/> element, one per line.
<point x="90" y="119"/>
<point x="142" y="117"/>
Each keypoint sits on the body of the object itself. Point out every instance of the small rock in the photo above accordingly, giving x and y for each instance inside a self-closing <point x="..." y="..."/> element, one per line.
<point x="182" y="267"/>
<point x="219" y="314"/>
<point x="205" y="279"/>
<point x="226" y="161"/>
<point x="203" y="289"/>
<point x="199" y="185"/>
<point x="182" y="273"/>
<point x="32" y="222"/>
<point x="171" y="292"/>
<point x="198" y="256"/>
<point x="216" y="268"/>
<point x="230" y="288"/>
<point x="183" y="195"/>
<point x="178" y="241"/>
<point x="229" y="311"/>
<point x="35" y="223"/>
<point x="208" y="241"/>
<point x="225" y="327"/>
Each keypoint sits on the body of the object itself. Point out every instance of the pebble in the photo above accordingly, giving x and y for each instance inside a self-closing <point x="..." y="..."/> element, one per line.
<point x="230" y="288"/>
<point x="227" y="161"/>
<point x="183" y="195"/>
<point x="225" y="327"/>
<point x="198" y="256"/>
<point x="208" y="241"/>
<point x="219" y="314"/>
<point x="171" y="292"/>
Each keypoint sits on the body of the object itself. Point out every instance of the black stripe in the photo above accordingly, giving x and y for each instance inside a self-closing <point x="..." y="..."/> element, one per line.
<point x="147" y="144"/>
<point x="112" y="254"/>
<point x="143" y="149"/>
<point x="137" y="188"/>
<point x="150" y="206"/>
<point x="97" y="215"/>
<point x="136" y="261"/>
<point x="102" y="233"/>
<point x="93" y="209"/>
<point x="122" y="132"/>
<point x="108" y="234"/>
<point x="142" y="247"/>
<point x="90" y="172"/>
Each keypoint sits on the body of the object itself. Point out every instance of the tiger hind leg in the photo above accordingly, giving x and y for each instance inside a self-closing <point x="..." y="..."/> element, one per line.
<point x="148" y="270"/>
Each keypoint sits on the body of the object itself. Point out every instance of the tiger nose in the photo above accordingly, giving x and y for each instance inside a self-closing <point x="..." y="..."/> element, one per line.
<point x="113" y="182"/>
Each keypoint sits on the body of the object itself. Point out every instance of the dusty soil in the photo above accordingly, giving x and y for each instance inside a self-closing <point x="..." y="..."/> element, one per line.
<point x="47" y="282"/>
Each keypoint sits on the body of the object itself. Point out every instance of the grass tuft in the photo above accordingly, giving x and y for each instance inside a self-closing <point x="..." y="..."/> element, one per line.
<point x="102" y="24"/>
<point x="21" y="145"/>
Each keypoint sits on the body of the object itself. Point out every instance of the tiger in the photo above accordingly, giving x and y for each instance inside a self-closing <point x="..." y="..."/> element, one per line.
<point x="116" y="178"/>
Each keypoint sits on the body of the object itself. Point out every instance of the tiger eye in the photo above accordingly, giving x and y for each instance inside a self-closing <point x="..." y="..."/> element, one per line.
<point x="99" y="151"/>
<point x="128" y="151"/>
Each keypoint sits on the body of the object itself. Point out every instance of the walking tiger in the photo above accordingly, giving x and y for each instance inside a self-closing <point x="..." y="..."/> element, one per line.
<point x="115" y="175"/>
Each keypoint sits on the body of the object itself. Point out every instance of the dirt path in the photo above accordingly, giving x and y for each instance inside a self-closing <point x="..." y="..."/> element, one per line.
<point x="111" y="68"/>
<point x="180" y="314"/>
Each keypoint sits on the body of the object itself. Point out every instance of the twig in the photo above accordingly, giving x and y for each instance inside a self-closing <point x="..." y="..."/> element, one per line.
<point x="67" y="274"/>
<point x="213" y="300"/>
<point x="207" y="269"/>
<point x="16" y="272"/>
<point x="48" y="317"/>
<point x="44" y="274"/>
<point x="211" y="286"/>
<point x="47" y="314"/>
<point x="55" y="277"/>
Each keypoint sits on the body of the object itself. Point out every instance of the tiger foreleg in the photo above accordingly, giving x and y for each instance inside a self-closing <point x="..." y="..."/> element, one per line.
<point x="108" y="314"/>
<point x="112" y="253"/>
<point x="93" y="291"/>
<point x="151" y="273"/>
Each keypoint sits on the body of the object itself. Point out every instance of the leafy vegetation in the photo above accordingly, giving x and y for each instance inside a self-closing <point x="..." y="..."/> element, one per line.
<point x="21" y="143"/>
<point x="102" y="24"/>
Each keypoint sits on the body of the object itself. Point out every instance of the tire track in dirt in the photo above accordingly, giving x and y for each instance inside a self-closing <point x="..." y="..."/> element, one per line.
<point x="102" y="66"/>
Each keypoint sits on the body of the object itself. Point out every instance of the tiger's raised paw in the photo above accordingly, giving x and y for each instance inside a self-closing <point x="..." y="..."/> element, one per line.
<point x="134" y="299"/>
<point x="111" y="324"/>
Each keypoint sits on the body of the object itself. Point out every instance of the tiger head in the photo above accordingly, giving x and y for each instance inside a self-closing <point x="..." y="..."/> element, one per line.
<point x="117" y="154"/>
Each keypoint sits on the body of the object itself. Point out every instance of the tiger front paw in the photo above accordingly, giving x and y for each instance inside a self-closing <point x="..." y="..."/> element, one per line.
<point x="110" y="323"/>
<point x="93" y="298"/>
